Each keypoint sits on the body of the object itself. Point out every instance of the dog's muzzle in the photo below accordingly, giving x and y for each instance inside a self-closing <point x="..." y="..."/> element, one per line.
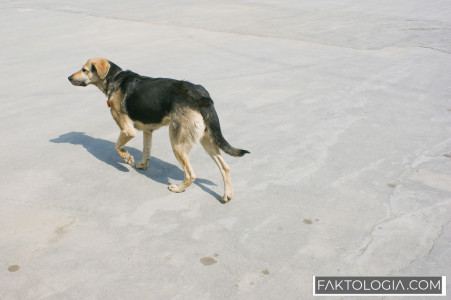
<point x="76" y="82"/>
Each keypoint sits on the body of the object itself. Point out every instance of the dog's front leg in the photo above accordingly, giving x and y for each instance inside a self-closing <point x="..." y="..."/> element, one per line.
<point x="126" y="135"/>
<point x="147" y="144"/>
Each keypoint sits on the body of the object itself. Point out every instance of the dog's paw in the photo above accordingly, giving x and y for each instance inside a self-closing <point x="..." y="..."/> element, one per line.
<point x="128" y="158"/>
<point x="225" y="199"/>
<point x="142" y="165"/>
<point x="175" y="188"/>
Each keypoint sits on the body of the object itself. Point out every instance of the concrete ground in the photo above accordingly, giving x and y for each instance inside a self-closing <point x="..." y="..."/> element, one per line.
<point x="344" y="105"/>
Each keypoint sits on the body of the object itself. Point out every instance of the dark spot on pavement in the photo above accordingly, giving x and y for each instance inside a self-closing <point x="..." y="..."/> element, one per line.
<point x="207" y="261"/>
<point x="13" y="268"/>
<point x="265" y="271"/>
<point x="391" y="185"/>
<point x="215" y="254"/>
<point x="447" y="155"/>
<point x="252" y="283"/>
<point x="307" y="221"/>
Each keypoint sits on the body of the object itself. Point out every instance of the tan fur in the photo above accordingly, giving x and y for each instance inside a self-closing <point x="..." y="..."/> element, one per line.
<point x="151" y="127"/>
<point x="125" y="124"/>
<point x="86" y="76"/>
<point x="147" y="145"/>
<point x="214" y="153"/>
<point x="102" y="66"/>
<point x="186" y="127"/>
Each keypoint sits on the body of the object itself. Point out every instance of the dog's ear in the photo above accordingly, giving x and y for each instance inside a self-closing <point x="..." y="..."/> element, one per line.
<point x="101" y="66"/>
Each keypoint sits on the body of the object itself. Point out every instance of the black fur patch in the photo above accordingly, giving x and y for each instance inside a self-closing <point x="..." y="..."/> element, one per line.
<point x="149" y="100"/>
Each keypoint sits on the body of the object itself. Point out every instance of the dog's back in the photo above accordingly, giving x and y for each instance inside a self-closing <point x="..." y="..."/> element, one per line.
<point x="148" y="100"/>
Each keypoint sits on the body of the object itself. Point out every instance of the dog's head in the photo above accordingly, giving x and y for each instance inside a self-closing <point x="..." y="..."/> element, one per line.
<point x="93" y="71"/>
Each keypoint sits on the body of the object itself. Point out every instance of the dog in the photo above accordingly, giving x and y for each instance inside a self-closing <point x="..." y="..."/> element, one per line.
<point x="146" y="104"/>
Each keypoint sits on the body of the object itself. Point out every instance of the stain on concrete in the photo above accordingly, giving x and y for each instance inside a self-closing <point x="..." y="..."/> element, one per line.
<point x="60" y="231"/>
<point x="391" y="185"/>
<point x="447" y="155"/>
<point x="207" y="261"/>
<point x="215" y="254"/>
<point x="265" y="271"/>
<point x="307" y="221"/>
<point x="13" y="268"/>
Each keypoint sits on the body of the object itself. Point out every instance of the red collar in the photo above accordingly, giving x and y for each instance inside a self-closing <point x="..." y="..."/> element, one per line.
<point x="108" y="103"/>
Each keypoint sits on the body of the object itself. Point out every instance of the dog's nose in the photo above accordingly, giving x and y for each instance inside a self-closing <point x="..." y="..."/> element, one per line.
<point x="69" y="78"/>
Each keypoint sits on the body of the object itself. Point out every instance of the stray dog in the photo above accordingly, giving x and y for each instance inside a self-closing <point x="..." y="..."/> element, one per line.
<point x="147" y="104"/>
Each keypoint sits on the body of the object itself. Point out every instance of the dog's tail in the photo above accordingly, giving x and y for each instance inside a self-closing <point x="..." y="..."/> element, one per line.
<point x="212" y="121"/>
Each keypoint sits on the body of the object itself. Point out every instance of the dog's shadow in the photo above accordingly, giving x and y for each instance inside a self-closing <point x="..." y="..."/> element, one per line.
<point x="158" y="170"/>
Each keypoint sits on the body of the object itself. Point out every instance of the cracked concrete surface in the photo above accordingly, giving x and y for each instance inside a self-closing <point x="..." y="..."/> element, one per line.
<point x="345" y="107"/>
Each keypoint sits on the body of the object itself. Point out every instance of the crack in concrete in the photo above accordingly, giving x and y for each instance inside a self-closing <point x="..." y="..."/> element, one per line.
<point x="431" y="48"/>
<point x="409" y="170"/>
<point x="428" y="252"/>
<point x="383" y="221"/>
<point x="389" y="218"/>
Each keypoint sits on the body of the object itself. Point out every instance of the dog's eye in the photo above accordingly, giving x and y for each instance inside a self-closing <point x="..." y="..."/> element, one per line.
<point x="84" y="70"/>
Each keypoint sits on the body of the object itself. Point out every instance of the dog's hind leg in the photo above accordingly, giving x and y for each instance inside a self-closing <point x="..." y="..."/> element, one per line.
<point x="181" y="145"/>
<point x="181" y="152"/>
<point x="147" y="144"/>
<point x="214" y="153"/>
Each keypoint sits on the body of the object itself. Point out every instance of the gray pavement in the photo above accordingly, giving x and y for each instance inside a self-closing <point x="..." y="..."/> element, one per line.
<point x="344" y="105"/>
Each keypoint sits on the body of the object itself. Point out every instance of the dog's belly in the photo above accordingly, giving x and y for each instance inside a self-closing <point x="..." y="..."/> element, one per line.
<point x="152" y="126"/>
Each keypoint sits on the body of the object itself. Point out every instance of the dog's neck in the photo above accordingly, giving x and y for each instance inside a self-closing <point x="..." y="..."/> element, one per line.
<point x="106" y="85"/>
<point x="102" y="85"/>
